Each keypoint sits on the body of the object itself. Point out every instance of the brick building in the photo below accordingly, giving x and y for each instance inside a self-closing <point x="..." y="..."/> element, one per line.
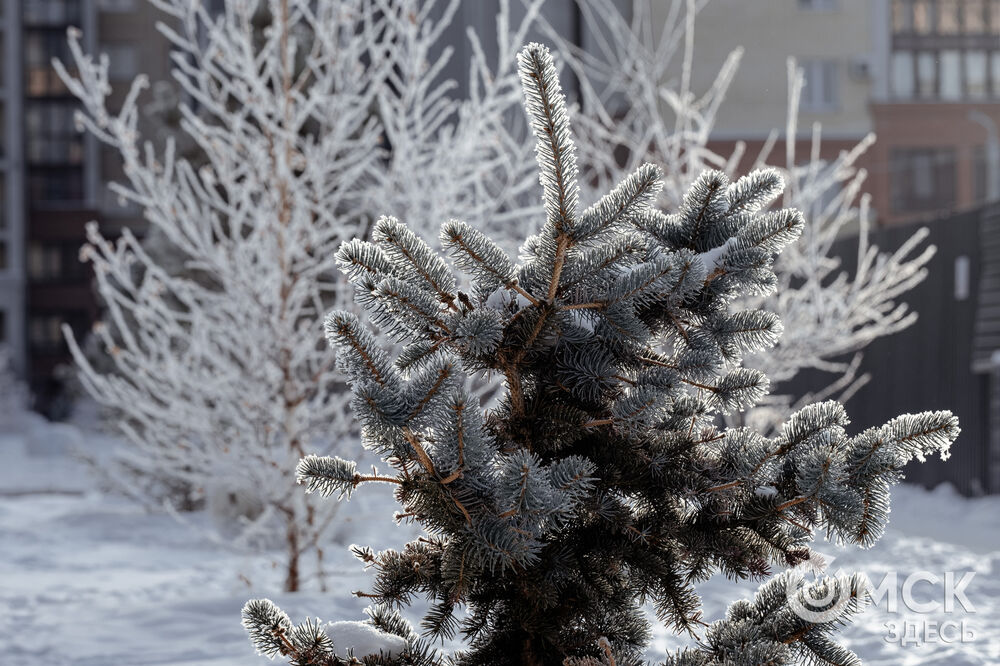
<point x="935" y="106"/>
<point x="923" y="74"/>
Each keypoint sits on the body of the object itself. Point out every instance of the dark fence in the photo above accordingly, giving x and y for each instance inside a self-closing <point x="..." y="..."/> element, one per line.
<point x="929" y="365"/>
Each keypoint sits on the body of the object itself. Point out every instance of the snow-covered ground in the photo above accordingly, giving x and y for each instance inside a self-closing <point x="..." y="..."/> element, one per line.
<point x="91" y="580"/>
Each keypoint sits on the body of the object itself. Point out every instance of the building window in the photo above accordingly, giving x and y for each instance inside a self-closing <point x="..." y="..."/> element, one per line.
<point x="52" y="137"/>
<point x="52" y="12"/>
<point x="944" y="17"/>
<point x="40" y="47"/>
<point x="44" y="262"/>
<point x="950" y="65"/>
<point x="3" y="326"/>
<point x="923" y="17"/>
<point x="820" y="90"/>
<point x="45" y="333"/>
<point x="949" y="22"/>
<point x="902" y="75"/>
<point x="926" y="76"/>
<point x="976" y="84"/>
<point x="922" y="179"/>
<point x="3" y="203"/>
<point x="56" y="262"/>
<point x="952" y="44"/>
<point x="974" y="17"/>
<point x="4" y="250"/>
<point x="54" y="184"/>
<point x="986" y="177"/>
<point x="995" y="73"/>
<point x="818" y="4"/>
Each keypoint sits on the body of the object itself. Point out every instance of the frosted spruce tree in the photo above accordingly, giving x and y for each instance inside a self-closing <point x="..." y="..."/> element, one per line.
<point x="602" y="479"/>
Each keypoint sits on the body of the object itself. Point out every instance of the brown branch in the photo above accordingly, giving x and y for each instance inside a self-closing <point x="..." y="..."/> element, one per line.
<point x="713" y="389"/>
<point x="422" y="457"/>
<point x="468" y="518"/>
<point x="514" y="386"/>
<point x="442" y="375"/>
<point x="451" y="477"/>
<point x="678" y="325"/>
<point x="371" y="478"/>
<point x="717" y="273"/>
<point x="420" y="313"/>
<point x="797" y="635"/>
<point x="653" y="361"/>
<point x="584" y="306"/>
<point x="562" y="237"/>
<point x="287" y="647"/>
<point x="561" y="247"/>
<point x="797" y="524"/>
<point x="516" y="287"/>
<point x="461" y="448"/>
<point x="345" y="330"/>
<point x="724" y="486"/>
<point x="714" y="438"/>
<point x="510" y="284"/>
<point x="790" y="503"/>
<point x="443" y="296"/>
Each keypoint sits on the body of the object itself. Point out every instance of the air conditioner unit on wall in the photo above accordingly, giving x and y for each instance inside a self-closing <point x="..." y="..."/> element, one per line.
<point x="860" y="68"/>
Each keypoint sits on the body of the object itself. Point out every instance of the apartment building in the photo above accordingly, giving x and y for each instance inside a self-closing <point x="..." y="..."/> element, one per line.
<point x="923" y="74"/>
<point x="60" y="173"/>
<point x="935" y="106"/>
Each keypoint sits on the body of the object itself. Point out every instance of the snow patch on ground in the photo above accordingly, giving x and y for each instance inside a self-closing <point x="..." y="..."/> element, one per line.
<point x="91" y="580"/>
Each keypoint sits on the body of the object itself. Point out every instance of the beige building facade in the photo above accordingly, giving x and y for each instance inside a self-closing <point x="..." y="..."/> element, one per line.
<point x="924" y="75"/>
<point x="832" y="42"/>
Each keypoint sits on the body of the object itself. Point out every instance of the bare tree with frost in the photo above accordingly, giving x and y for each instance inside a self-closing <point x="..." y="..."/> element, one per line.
<point x="298" y="110"/>
<point x="636" y="87"/>
<point x="453" y="156"/>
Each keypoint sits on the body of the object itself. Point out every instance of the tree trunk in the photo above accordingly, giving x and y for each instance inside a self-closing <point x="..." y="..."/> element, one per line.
<point x="529" y="655"/>
<point x="292" y="574"/>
